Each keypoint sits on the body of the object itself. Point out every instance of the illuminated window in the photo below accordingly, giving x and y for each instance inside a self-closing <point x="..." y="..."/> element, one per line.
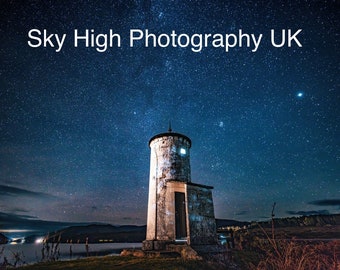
<point x="183" y="151"/>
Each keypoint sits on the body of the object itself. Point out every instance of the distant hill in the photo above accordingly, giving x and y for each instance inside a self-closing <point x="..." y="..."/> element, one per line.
<point x="304" y="221"/>
<point x="230" y="222"/>
<point x="100" y="234"/>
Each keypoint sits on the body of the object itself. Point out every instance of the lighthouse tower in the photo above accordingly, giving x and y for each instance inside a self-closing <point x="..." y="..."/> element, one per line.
<point x="179" y="211"/>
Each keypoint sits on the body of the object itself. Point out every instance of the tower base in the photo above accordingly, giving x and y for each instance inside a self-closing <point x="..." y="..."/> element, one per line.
<point x="164" y="248"/>
<point x="148" y="245"/>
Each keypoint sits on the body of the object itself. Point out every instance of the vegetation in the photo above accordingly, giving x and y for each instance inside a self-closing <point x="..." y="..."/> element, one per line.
<point x="272" y="253"/>
<point x="263" y="255"/>
<point x="126" y="263"/>
<point x="17" y="259"/>
<point x="285" y="255"/>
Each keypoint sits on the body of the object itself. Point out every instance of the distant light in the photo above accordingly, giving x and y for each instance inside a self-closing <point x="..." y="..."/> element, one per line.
<point x="15" y="241"/>
<point x="183" y="151"/>
<point x="39" y="240"/>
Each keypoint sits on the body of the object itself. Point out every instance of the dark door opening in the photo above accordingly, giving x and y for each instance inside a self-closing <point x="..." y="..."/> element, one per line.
<point x="180" y="216"/>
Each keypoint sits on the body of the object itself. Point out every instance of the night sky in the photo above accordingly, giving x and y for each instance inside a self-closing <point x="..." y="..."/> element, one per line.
<point x="75" y="124"/>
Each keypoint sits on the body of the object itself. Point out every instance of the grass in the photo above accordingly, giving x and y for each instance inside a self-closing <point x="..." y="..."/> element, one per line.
<point x="280" y="249"/>
<point x="125" y="263"/>
<point x="245" y="258"/>
<point x="281" y="255"/>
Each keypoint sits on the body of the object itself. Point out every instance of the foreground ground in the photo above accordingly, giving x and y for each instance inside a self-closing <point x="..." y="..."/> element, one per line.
<point x="281" y="255"/>
<point x="310" y="248"/>
<point x="126" y="263"/>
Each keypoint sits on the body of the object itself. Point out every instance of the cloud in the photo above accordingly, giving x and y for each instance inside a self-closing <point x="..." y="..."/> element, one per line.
<point x="9" y="218"/>
<point x="17" y="192"/>
<point x="326" y="202"/>
<point x="9" y="221"/>
<point x="17" y="209"/>
<point x="308" y="213"/>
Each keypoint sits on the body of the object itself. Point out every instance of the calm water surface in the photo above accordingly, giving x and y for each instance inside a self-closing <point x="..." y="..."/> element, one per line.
<point x="32" y="253"/>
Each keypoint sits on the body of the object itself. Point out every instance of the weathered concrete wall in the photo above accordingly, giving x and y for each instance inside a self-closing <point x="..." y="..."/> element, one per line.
<point x="202" y="224"/>
<point x="169" y="160"/>
<point x="172" y="158"/>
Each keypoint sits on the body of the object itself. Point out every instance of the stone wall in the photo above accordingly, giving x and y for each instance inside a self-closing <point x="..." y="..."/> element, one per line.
<point x="202" y="223"/>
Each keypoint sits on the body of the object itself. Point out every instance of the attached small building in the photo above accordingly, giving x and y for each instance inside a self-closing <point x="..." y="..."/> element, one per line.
<point x="179" y="211"/>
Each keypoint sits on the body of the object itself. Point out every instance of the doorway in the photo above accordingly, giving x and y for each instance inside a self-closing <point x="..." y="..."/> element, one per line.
<point x="180" y="216"/>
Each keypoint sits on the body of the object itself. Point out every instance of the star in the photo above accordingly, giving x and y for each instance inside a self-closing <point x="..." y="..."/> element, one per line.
<point x="75" y="124"/>
<point x="300" y="94"/>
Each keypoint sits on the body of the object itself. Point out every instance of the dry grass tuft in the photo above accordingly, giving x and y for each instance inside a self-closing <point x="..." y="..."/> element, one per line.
<point x="296" y="255"/>
<point x="286" y="255"/>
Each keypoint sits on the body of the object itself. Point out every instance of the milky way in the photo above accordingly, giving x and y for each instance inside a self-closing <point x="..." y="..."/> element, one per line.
<point x="75" y="124"/>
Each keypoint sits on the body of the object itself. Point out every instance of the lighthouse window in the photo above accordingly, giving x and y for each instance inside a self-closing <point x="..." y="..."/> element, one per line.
<point x="183" y="151"/>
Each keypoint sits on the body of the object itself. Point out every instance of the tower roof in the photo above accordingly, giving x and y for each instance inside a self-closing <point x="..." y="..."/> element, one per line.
<point x="170" y="134"/>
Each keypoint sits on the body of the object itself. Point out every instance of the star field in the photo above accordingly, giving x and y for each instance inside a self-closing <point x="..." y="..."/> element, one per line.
<point x="75" y="125"/>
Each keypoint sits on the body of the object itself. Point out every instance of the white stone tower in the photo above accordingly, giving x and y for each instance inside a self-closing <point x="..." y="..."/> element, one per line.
<point x="179" y="211"/>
